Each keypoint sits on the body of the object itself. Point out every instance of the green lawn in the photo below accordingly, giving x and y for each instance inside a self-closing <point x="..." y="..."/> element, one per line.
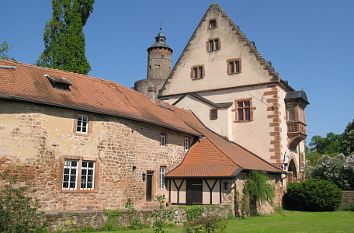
<point x="287" y="221"/>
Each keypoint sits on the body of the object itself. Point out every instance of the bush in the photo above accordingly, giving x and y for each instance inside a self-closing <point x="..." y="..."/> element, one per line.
<point x="313" y="195"/>
<point x="18" y="212"/>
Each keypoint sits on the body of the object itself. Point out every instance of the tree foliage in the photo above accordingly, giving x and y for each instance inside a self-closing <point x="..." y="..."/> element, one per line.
<point x="329" y="145"/>
<point x="347" y="143"/>
<point x="338" y="169"/>
<point x="64" y="39"/>
<point x="18" y="211"/>
<point x="4" y="51"/>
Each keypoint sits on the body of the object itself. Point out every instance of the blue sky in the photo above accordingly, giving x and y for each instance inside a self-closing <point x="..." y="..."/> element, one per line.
<point x="310" y="43"/>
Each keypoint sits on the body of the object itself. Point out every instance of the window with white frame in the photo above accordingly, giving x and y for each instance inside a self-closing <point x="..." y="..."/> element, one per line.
<point x="71" y="179"/>
<point x="162" y="177"/>
<point x="87" y="175"/>
<point x="82" y="124"/>
<point x="163" y="139"/>
<point x="70" y="174"/>
<point x="186" y="144"/>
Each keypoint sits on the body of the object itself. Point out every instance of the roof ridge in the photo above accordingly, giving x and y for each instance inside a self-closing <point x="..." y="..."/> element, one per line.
<point x="262" y="62"/>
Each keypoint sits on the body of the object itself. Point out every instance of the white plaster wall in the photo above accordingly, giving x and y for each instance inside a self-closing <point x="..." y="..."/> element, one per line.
<point x="252" y="135"/>
<point x="215" y="62"/>
<point x="202" y="111"/>
<point x="182" y="192"/>
<point x="283" y="125"/>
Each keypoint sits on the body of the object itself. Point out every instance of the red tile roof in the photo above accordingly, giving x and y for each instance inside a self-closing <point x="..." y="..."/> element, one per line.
<point x="215" y="156"/>
<point x="29" y="83"/>
<point x="212" y="156"/>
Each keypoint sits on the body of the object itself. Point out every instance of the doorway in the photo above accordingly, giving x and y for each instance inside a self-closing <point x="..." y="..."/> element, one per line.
<point x="194" y="192"/>
<point x="149" y="182"/>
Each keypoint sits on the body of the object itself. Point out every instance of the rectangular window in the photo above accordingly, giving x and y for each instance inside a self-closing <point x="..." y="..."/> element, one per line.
<point x="291" y="113"/>
<point x="234" y="66"/>
<point x="213" y="45"/>
<point x="162" y="177"/>
<point x="186" y="144"/>
<point x="87" y="175"/>
<point x="197" y="72"/>
<point x="213" y="114"/>
<point x="82" y="124"/>
<point x="163" y="139"/>
<point x="71" y="176"/>
<point x="244" y="112"/>
<point x="212" y="23"/>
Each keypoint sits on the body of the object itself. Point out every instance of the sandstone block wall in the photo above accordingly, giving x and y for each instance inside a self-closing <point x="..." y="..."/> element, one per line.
<point x="35" y="139"/>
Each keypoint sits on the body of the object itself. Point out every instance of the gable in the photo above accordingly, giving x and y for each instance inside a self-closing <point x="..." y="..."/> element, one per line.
<point x="233" y="45"/>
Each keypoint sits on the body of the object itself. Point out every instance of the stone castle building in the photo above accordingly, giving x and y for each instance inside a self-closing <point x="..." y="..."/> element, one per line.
<point x="88" y="144"/>
<point x="222" y="78"/>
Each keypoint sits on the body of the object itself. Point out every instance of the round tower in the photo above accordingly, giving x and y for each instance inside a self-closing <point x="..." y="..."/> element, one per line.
<point x="158" y="67"/>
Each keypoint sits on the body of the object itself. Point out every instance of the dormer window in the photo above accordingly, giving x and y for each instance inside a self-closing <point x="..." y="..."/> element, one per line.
<point x="212" y="23"/>
<point x="59" y="82"/>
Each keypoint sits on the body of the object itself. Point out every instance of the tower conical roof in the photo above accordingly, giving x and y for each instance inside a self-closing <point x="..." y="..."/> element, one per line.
<point x="160" y="41"/>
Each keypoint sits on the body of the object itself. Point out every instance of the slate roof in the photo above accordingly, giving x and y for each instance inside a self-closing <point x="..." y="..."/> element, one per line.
<point x="297" y="95"/>
<point x="212" y="156"/>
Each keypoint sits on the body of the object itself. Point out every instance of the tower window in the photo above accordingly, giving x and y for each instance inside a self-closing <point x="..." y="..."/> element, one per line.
<point x="233" y="66"/>
<point x="212" y="23"/>
<point x="213" y="45"/>
<point x="197" y="72"/>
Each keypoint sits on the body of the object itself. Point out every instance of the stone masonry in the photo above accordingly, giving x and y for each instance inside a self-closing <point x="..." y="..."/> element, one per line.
<point x="35" y="139"/>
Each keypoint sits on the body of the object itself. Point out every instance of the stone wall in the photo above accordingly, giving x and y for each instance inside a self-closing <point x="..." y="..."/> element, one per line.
<point x="96" y="219"/>
<point x="348" y="198"/>
<point x="35" y="139"/>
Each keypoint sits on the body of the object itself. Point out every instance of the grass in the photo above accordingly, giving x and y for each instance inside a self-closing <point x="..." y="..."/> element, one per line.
<point x="286" y="221"/>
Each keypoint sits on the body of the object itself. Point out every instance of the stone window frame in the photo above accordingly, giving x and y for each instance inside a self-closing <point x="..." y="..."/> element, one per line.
<point x="163" y="139"/>
<point x="88" y="126"/>
<point x="236" y="110"/>
<point x="210" y="25"/>
<point x="213" y="115"/>
<point x="162" y="181"/>
<point x="200" y="72"/>
<point x="234" y="60"/>
<point x="213" y="44"/>
<point x="78" y="188"/>
<point x="186" y="144"/>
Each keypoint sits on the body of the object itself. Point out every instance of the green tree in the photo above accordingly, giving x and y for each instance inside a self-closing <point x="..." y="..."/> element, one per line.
<point x="347" y="143"/>
<point x="4" y="51"/>
<point x="329" y="145"/>
<point x="64" y="40"/>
